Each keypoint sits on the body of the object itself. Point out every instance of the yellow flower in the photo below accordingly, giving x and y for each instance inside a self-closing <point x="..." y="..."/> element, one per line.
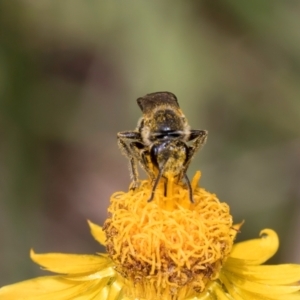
<point x="167" y="249"/>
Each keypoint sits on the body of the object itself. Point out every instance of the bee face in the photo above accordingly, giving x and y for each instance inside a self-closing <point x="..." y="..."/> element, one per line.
<point x="162" y="118"/>
<point x="163" y="141"/>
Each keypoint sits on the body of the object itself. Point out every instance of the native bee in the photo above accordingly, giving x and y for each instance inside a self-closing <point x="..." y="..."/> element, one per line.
<point x="163" y="142"/>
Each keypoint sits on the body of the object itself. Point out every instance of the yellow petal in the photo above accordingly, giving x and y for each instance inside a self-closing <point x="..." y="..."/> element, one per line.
<point x="59" y="288"/>
<point x="219" y="293"/>
<point x="271" y="275"/>
<point x="233" y="290"/>
<point x="71" y="263"/>
<point x="214" y="291"/>
<point x="114" y="291"/>
<point x="106" y="272"/>
<point x="252" y="296"/>
<point x="257" y="251"/>
<point x="262" y="289"/>
<point x="97" y="233"/>
<point x="241" y="294"/>
<point x="103" y="290"/>
<point x="43" y="288"/>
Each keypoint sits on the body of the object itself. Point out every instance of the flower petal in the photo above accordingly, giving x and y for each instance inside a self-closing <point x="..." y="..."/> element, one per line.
<point x="106" y="272"/>
<point x="219" y="293"/>
<point x="97" y="233"/>
<point x="271" y="275"/>
<point x="43" y="288"/>
<point x="233" y="290"/>
<point x="71" y="263"/>
<point x="240" y="294"/>
<point x="248" y="295"/>
<point x="59" y="288"/>
<point x="109" y="288"/>
<point x="261" y="289"/>
<point x="115" y="291"/>
<point x="257" y="251"/>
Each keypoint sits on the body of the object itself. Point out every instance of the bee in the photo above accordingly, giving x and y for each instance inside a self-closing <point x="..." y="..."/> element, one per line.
<point x="163" y="143"/>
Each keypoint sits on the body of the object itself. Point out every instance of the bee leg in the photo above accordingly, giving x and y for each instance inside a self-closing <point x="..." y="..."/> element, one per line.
<point x="188" y="183"/>
<point x="133" y="173"/>
<point x="146" y="163"/>
<point x="132" y="162"/>
<point x="198" y="138"/>
<point x="141" y="156"/>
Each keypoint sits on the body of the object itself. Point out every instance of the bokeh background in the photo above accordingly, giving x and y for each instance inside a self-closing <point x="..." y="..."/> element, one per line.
<point x="70" y="74"/>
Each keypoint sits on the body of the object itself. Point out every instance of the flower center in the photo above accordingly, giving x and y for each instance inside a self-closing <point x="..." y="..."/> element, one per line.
<point x="169" y="246"/>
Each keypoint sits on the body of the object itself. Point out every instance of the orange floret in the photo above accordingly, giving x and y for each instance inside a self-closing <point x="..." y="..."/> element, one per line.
<point x="169" y="245"/>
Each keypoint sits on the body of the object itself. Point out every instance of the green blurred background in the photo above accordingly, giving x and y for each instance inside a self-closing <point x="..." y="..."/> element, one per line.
<point x="70" y="73"/>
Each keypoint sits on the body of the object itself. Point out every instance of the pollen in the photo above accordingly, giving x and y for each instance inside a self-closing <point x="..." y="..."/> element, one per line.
<point x="169" y="248"/>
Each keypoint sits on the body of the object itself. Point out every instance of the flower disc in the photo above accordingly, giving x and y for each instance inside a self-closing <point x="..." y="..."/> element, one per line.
<point x="170" y="243"/>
